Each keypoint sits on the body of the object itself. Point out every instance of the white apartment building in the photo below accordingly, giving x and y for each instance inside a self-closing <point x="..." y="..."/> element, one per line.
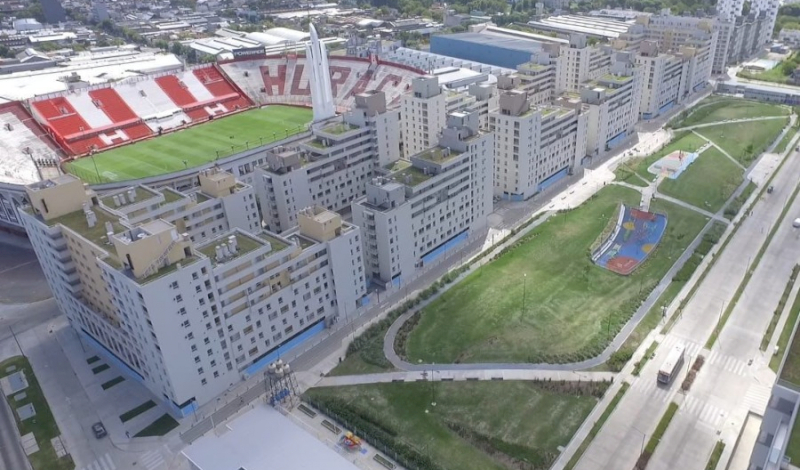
<point x="694" y="38"/>
<point x="579" y="62"/>
<point x="424" y="111"/>
<point x="534" y="145"/>
<point x="420" y="207"/>
<point x="770" y="9"/>
<point x="332" y="167"/>
<point x="665" y="79"/>
<point x="611" y="104"/>
<point x="790" y="37"/>
<point x="188" y="320"/>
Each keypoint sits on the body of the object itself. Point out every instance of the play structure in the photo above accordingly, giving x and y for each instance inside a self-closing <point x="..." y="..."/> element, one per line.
<point x="671" y="166"/>
<point x="634" y="237"/>
<point x="350" y="442"/>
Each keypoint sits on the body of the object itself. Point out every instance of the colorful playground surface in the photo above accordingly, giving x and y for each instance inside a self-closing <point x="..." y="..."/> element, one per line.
<point x="672" y="165"/>
<point x="635" y="236"/>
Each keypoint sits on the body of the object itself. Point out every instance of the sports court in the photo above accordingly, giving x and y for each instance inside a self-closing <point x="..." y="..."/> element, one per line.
<point x="635" y="236"/>
<point x="671" y="166"/>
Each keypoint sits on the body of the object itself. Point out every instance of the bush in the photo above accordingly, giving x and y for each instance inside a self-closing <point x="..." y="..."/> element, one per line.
<point x="618" y="360"/>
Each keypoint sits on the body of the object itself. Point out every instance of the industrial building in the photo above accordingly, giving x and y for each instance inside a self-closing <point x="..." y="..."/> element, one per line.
<point x="419" y="207"/>
<point x="188" y="316"/>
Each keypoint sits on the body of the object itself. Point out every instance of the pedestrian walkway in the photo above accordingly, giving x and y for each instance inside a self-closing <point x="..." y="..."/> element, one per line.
<point x="461" y="375"/>
<point x="729" y="121"/>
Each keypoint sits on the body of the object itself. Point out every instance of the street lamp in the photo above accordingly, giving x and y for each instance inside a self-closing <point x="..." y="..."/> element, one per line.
<point x="524" y="285"/>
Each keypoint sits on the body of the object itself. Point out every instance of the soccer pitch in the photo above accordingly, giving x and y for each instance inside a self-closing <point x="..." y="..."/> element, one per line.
<point x="194" y="146"/>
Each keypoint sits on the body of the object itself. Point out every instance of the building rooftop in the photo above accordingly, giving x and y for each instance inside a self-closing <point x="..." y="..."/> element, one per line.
<point x="170" y="195"/>
<point x="276" y="243"/>
<point x="141" y="194"/>
<point x="244" y="244"/>
<point x="437" y="155"/>
<point x="338" y="128"/>
<point x="165" y="270"/>
<point x="76" y="221"/>
<point x="411" y="176"/>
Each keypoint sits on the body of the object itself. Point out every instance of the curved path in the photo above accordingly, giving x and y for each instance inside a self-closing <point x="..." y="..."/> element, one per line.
<point x="613" y="346"/>
<point x="730" y="121"/>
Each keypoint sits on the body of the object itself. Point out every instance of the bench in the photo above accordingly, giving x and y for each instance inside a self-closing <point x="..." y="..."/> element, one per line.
<point x="384" y="461"/>
<point x="497" y="378"/>
<point x="331" y="427"/>
<point x="472" y="378"/>
<point x="307" y="411"/>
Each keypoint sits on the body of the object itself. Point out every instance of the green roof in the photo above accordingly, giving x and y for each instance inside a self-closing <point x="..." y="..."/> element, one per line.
<point x="141" y="195"/>
<point x="437" y="155"/>
<point x="414" y="174"/>
<point x="171" y="195"/>
<point x="615" y="78"/>
<point x="338" y="128"/>
<point x="398" y="165"/>
<point x="277" y="244"/>
<point x="167" y="269"/>
<point x="244" y="245"/>
<point x="76" y="221"/>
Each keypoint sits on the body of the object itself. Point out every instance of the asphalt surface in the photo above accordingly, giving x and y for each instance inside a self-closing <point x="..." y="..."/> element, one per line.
<point x="729" y="385"/>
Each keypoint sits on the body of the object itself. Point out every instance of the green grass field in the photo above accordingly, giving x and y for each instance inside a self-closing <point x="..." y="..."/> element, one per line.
<point x="572" y="307"/>
<point x="707" y="183"/>
<point x="43" y="425"/>
<point x="196" y="145"/>
<point x="686" y="141"/>
<point x="745" y="141"/>
<point x="474" y="425"/>
<point x="708" y="111"/>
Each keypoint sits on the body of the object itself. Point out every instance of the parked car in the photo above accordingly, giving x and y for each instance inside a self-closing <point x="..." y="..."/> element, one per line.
<point x="99" y="430"/>
<point x="796" y="223"/>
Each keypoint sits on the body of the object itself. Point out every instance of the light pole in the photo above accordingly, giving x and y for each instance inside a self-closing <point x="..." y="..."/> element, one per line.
<point x="524" y="285"/>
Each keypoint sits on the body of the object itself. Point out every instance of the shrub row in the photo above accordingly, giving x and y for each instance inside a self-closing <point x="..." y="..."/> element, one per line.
<point x="689" y="379"/>
<point x="710" y="239"/>
<point x="374" y="432"/>
<point x="505" y="453"/>
<point x="776" y="315"/>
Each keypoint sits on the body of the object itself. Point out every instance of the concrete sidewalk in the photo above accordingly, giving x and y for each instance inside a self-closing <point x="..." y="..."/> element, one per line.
<point x="462" y="375"/>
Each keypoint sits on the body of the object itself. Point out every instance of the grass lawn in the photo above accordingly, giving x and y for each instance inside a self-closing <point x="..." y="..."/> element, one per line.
<point x="791" y="370"/>
<point x="793" y="446"/>
<point x="474" y="425"/>
<point x="355" y="364"/>
<point x="43" y="425"/>
<point x="159" y="427"/>
<point x="572" y="306"/>
<point x="100" y="368"/>
<point x="716" y="454"/>
<point x="707" y="183"/>
<point x="686" y="141"/>
<point x="745" y="141"/>
<point x="197" y="145"/>
<point x="130" y="414"/>
<point x="728" y="108"/>
<point x="781" y="147"/>
<point x="92" y="360"/>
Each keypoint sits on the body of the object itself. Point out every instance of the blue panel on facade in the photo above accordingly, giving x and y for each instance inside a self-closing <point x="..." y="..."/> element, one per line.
<point x="666" y="107"/>
<point x="558" y="176"/>
<point x="449" y="244"/>
<point x="284" y="348"/>
<point x="484" y="48"/>
<point x="616" y="140"/>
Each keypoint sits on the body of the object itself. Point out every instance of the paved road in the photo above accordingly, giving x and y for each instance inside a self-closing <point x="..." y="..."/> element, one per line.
<point x="727" y="385"/>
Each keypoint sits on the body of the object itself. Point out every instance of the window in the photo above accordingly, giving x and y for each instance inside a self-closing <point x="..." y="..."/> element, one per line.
<point x="200" y="370"/>
<point x="197" y="359"/>
<point x="178" y="298"/>
<point x="203" y="382"/>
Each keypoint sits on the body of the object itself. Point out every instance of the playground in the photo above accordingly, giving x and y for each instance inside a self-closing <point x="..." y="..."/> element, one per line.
<point x="636" y="235"/>
<point x="673" y="164"/>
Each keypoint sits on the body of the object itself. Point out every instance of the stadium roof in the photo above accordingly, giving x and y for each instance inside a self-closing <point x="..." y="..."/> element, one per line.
<point x="499" y="41"/>
<point x="94" y="69"/>
<point x="593" y="26"/>
<point x="264" y="439"/>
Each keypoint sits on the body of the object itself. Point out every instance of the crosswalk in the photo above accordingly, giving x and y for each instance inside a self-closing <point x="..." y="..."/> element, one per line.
<point x="757" y="398"/>
<point x="649" y="386"/>
<point x="152" y="460"/>
<point x="704" y="411"/>
<point x="728" y="363"/>
<point x="102" y="463"/>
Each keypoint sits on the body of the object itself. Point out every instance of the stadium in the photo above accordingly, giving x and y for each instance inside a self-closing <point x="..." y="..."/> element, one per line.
<point x="161" y="128"/>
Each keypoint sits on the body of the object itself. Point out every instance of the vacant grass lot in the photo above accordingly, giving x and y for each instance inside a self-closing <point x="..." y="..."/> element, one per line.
<point x="471" y="422"/>
<point x="196" y="145"/>
<point x="707" y="183"/>
<point x="572" y="307"/>
<point x="728" y="108"/>
<point x="43" y="425"/>
<point x="745" y="141"/>
<point x="686" y="141"/>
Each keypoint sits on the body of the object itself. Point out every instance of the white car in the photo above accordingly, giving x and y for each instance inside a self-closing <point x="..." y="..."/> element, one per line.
<point x="796" y="223"/>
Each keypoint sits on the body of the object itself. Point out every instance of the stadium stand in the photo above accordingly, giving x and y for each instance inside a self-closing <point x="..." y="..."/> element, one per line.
<point x="84" y="122"/>
<point x="284" y="79"/>
<point x="24" y="145"/>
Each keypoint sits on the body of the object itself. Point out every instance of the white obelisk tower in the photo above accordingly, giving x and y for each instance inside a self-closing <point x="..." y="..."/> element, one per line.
<point x="321" y="93"/>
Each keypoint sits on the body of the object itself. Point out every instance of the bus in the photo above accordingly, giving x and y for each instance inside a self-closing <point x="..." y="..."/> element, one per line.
<point x="671" y="365"/>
